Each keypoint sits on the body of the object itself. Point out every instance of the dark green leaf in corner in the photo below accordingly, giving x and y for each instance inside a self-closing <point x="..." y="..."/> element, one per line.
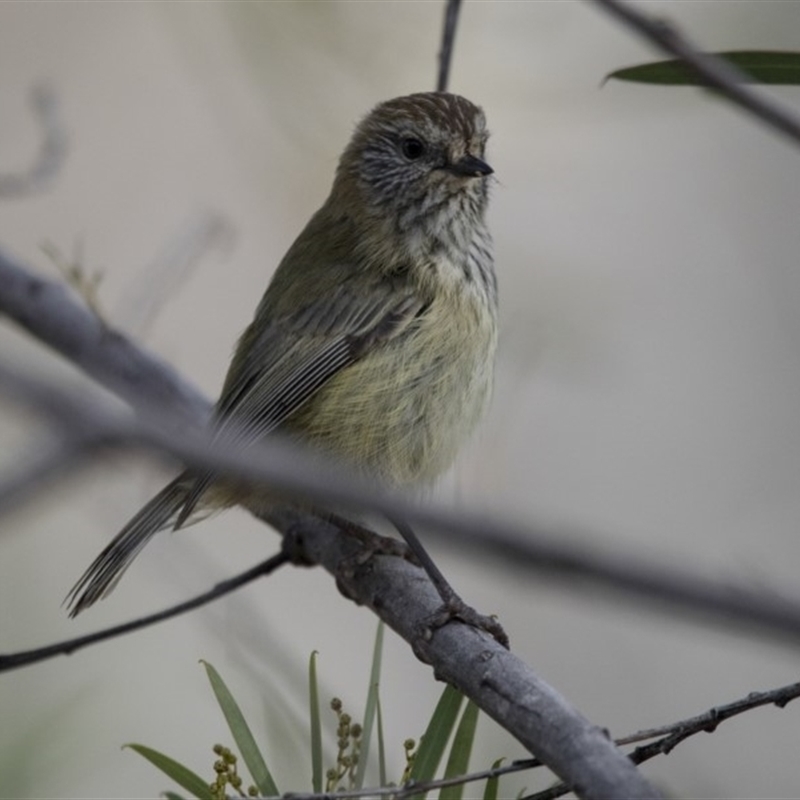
<point x="183" y="776"/>
<point x="778" y="68"/>
<point x="240" y="730"/>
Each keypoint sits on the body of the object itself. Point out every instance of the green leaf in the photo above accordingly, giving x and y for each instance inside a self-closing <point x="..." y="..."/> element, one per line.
<point x="381" y="747"/>
<point x="760" y="66"/>
<point x="183" y="776"/>
<point x="316" y="725"/>
<point x="172" y="796"/>
<point x="492" y="784"/>
<point x="434" y="740"/>
<point x="370" y="707"/>
<point x="240" y="730"/>
<point x="460" y="751"/>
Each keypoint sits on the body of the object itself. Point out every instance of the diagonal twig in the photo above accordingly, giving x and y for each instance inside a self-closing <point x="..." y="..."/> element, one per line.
<point x="25" y="658"/>
<point x="48" y="310"/>
<point x="52" y="151"/>
<point x="706" y="722"/>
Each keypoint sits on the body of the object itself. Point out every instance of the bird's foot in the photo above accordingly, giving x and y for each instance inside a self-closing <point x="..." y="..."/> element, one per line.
<point x="453" y="607"/>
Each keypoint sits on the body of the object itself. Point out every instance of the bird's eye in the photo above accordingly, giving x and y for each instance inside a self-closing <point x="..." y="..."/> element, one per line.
<point x="412" y="148"/>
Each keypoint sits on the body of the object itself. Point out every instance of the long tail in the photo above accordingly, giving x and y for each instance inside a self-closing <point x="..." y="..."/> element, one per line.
<point x="107" y="568"/>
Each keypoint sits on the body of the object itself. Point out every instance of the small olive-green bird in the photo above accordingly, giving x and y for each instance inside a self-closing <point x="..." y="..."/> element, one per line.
<point x="375" y="339"/>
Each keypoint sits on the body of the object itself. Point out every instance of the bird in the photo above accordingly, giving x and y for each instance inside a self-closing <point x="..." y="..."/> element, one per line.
<point x="374" y="342"/>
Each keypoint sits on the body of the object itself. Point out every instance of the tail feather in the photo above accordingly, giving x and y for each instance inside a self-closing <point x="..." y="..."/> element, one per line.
<point x="194" y="491"/>
<point x="104" y="572"/>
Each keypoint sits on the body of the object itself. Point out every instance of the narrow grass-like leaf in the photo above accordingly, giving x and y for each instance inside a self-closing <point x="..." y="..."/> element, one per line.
<point x="183" y="776"/>
<point x="370" y="706"/>
<point x="172" y="796"/>
<point x="493" y="784"/>
<point x="381" y="746"/>
<point x="460" y="751"/>
<point x="434" y="740"/>
<point x="316" y="725"/>
<point x="240" y="730"/>
<point x="759" y="66"/>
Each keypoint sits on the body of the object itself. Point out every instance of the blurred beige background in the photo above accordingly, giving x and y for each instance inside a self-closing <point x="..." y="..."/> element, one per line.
<point x="648" y="387"/>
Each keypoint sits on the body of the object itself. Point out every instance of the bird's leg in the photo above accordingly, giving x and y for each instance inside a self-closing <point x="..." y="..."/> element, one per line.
<point x="369" y="544"/>
<point x="453" y="607"/>
<point x="373" y="544"/>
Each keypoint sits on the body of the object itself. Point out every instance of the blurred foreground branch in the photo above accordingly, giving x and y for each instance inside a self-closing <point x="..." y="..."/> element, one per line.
<point x="176" y="426"/>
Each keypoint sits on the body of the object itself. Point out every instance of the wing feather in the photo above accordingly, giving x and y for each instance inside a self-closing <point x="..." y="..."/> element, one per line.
<point x="279" y="367"/>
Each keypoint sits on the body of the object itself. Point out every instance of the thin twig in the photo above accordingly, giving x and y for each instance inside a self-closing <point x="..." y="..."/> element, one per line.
<point x="708" y="721"/>
<point x="159" y="281"/>
<point x="52" y="152"/>
<point x="27" y="657"/>
<point x="422" y="788"/>
<point x="550" y="793"/>
<point x="448" y="38"/>
<point x="715" y="72"/>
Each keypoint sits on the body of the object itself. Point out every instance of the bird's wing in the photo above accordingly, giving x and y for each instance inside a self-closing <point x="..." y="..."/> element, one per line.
<point x="280" y="363"/>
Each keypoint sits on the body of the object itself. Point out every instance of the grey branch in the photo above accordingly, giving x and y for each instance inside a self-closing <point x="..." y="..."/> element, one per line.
<point x="496" y="680"/>
<point x="716" y="72"/>
<point x="47" y="310"/>
<point x="204" y="232"/>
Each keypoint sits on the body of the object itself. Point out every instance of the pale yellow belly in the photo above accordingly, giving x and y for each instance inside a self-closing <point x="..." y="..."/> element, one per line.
<point x="401" y="413"/>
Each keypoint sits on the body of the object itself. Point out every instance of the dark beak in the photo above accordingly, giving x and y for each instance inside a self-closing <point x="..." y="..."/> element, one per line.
<point x="470" y="167"/>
